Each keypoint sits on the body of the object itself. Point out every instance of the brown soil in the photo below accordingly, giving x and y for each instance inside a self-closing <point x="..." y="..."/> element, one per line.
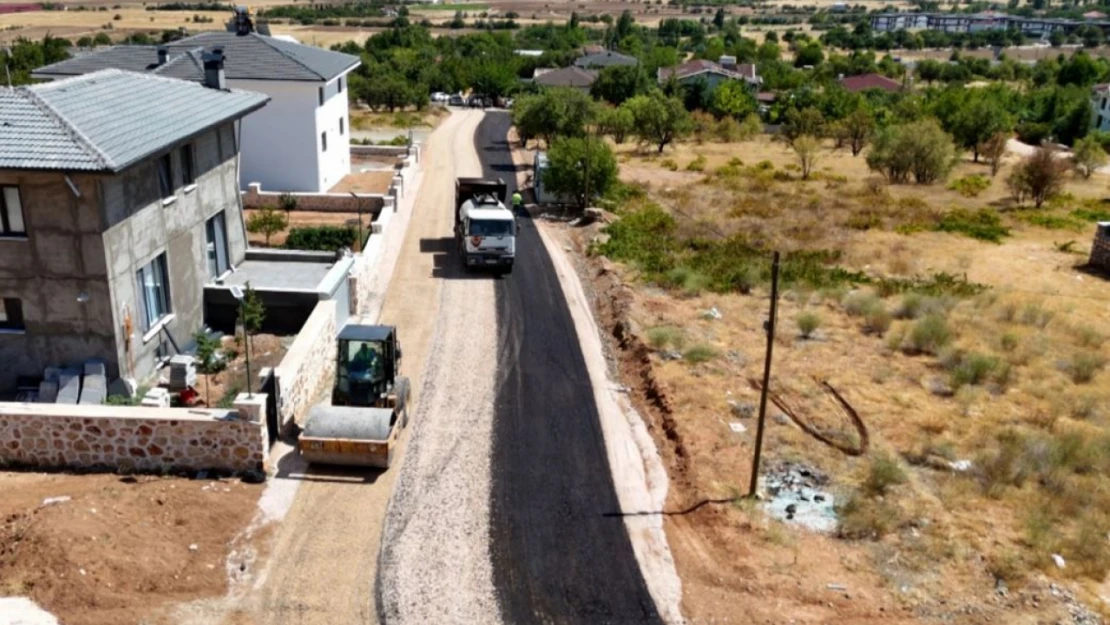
<point x="365" y="182"/>
<point x="267" y="350"/>
<point x="122" y="548"/>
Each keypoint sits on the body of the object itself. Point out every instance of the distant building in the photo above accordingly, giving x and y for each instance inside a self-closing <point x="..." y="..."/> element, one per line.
<point x="573" y="77"/>
<point x="864" y="82"/>
<point x="986" y="21"/>
<point x="605" y="59"/>
<point x="1100" y="107"/>
<point x="529" y="53"/>
<point x="1094" y="15"/>
<point x="713" y="73"/>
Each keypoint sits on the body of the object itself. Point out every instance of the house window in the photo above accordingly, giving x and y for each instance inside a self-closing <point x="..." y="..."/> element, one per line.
<point x="11" y="213"/>
<point x="339" y="85"/>
<point x="11" y="314"/>
<point x="216" y="245"/>
<point x="165" y="175"/>
<point x="154" y="296"/>
<point x="341" y="124"/>
<point x="324" y="140"/>
<point x="188" y="165"/>
<point x="321" y="96"/>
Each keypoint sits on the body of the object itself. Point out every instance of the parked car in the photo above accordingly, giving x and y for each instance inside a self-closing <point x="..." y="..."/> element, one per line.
<point x="457" y="100"/>
<point x="477" y="101"/>
<point x="440" y="97"/>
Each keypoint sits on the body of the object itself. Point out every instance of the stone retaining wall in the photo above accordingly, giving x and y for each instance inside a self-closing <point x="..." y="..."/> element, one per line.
<point x="308" y="368"/>
<point x="1100" y="250"/>
<point x="129" y="438"/>
<point x="255" y="197"/>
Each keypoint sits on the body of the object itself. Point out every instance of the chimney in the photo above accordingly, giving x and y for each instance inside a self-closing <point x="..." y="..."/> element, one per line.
<point x="163" y="55"/>
<point x="214" y="69"/>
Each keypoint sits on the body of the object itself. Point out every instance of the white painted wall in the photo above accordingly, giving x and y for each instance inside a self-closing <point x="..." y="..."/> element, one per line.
<point x="335" y="162"/>
<point x="280" y="147"/>
<point x="1100" y="104"/>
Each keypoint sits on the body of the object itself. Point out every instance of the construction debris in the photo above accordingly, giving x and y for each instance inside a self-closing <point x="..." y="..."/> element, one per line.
<point x="797" y="494"/>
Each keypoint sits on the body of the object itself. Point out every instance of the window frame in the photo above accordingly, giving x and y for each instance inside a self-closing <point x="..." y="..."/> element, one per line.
<point x="6" y="229"/>
<point x="324" y="141"/>
<point x="12" y="310"/>
<point x="164" y="297"/>
<point x="321" y="91"/>
<point x="342" y="126"/>
<point x="218" y="242"/>
<point x="339" y="85"/>
<point x="165" y="178"/>
<point x="188" y="165"/>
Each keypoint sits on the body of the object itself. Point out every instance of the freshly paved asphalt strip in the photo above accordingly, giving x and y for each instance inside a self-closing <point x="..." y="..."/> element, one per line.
<point x="559" y="554"/>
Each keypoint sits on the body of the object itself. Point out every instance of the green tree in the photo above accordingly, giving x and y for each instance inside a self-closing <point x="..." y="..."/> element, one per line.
<point x="978" y="120"/>
<point x="807" y="151"/>
<point x="857" y="128"/>
<point x="719" y="18"/>
<point x="809" y="54"/>
<point x="994" y="149"/>
<point x="734" y="99"/>
<point x="616" y="122"/>
<point x="267" y="221"/>
<point x="209" y="360"/>
<point x="493" y="79"/>
<point x="102" y="39"/>
<point x="578" y="163"/>
<point x="252" y="312"/>
<point x="659" y="119"/>
<point x="620" y="82"/>
<point x="1088" y="156"/>
<point x="921" y="150"/>
<point x="1039" y="176"/>
<point x="807" y="121"/>
<point x="559" y="112"/>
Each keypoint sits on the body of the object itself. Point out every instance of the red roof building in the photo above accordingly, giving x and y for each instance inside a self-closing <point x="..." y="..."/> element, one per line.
<point x="864" y="82"/>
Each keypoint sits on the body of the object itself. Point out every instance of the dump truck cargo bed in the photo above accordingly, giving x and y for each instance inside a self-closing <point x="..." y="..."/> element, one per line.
<point x="351" y="436"/>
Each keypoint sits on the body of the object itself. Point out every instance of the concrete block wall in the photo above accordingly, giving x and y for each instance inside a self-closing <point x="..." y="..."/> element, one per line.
<point x="255" y="197"/>
<point x="308" y="368"/>
<point x="129" y="438"/>
<point x="1100" y="250"/>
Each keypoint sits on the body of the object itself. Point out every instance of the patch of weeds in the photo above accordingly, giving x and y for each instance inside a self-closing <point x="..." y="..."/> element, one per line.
<point x="1067" y="247"/>
<point x="1087" y="336"/>
<point x="1035" y="315"/>
<point x="668" y="163"/>
<point x="864" y="219"/>
<point x="663" y="337"/>
<point x="228" y="400"/>
<point x="1083" y="366"/>
<point x="928" y="335"/>
<point x="1008" y="342"/>
<point x="936" y="285"/>
<point x="1088" y="214"/>
<point x="1087" y="549"/>
<point x="808" y="322"/>
<point x="911" y="306"/>
<point x="857" y="303"/>
<point x="698" y="164"/>
<point x="1050" y="221"/>
<point x="700" y="353"/>
<point x="1003" y="466"/>
<point x="690" y="282"/>
<point x="877" y="319"/>
<point x="884" y="472"/>
<point x="974" y="369"/>
<point x="864" y="518"/>
<point x="983" y="224"/>
<point x="1009" y="565"/>
<point x="1084" y="407"/>
<point x="970" y="186"/>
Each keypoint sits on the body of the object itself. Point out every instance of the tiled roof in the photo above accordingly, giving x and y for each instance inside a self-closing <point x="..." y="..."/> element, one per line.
<point x="108" y="120"/>
<point x="567" y="77"/>
<point x="605" y="59"/>
<point x="246" y="57"/>
<point x="870" y="81"/>
<point x="692" y="68"/>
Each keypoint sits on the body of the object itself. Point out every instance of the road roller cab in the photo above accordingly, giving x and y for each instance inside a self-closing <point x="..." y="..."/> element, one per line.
<point x="369" y="403"/>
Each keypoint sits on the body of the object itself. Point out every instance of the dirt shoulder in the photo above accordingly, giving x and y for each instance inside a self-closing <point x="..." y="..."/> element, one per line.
<point x="117" y="549"/>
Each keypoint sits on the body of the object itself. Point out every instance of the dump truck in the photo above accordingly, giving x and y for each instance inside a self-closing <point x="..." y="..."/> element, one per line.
<point x="485" y="230"/>
<point x="369" y="402"/>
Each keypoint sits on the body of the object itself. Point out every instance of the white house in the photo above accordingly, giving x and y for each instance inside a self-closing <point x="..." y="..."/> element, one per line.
<point x="1100" y="107"/>
<point x="299" y="141"/>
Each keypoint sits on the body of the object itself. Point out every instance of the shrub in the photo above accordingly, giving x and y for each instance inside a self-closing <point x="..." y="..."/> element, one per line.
<point x="972" y="369"/>
<point x="921" y="150"/>
<point x="1087" y="214"/>
<point x="808" y="322"/>
<point x="857" y="303"/>
<point x="1083" y="367"/>
<point x="690" y="282"/>
<point x="1087" y="336"/>
<point x="970" y="186"/>
<point x="1039" y="177"/>
<point x="1003" y="466"/>
<point x="910" y="307"/>
<point x="728" y="130"/>
<point x="1088" y="155"/>
<point x="698" y="164"/>
<point x="267" y="221"/>
<point x="983" y="224"/>
<point x="884" y="472"/>
<point x="860" y="517"/>
<point x="700" y="353"/>
<point x="321" y="238"/>
<point x="877" y="318"/>
<point x="1034" y="315"/>
<point x="668" y="163"/>
<point x="929" y="335"/>
<point x="666" y="336"/>
<point x="1050" y="221"/>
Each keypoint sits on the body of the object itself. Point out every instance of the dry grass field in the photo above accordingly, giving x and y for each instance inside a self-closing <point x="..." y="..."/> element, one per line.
<point x="985" y="407"/>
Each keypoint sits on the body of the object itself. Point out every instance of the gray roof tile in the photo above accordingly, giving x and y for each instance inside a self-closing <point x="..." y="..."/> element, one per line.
<point x="108" y="120"/>
<point x="247" y="57"/>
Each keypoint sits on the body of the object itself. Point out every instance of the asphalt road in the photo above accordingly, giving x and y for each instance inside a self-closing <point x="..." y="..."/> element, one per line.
<point x="557" y="556"/>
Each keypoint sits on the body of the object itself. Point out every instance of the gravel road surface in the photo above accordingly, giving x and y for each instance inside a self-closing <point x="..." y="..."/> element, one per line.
<point x="560" y="554"/>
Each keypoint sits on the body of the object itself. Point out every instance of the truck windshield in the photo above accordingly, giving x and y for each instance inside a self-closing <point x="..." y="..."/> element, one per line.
<point x="490" y="228"/>
<point x="361" y="361"/>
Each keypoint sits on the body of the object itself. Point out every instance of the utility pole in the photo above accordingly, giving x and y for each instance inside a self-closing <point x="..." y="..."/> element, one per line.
<point x="769" y="326"/>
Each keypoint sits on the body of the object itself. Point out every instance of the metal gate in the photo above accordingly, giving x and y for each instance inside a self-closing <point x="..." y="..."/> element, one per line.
<point x="270" y="387"/>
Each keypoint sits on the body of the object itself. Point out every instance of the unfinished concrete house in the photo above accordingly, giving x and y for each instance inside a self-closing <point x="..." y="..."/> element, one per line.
<point x="119" y="201"/>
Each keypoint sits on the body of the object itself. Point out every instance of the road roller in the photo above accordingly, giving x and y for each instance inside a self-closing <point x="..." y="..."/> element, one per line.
<point x="369" y="402"/>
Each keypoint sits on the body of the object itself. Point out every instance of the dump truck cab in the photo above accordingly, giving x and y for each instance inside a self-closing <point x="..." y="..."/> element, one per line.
<point x="485" y="230"/>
